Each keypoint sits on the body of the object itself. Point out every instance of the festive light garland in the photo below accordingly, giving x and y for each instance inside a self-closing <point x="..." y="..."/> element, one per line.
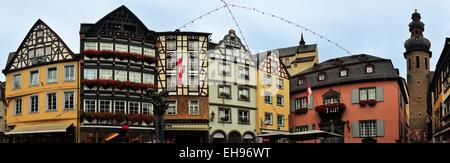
<point x="228" y="5"/>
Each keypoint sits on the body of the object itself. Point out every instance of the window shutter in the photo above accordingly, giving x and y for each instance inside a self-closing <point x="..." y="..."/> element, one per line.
<point x="355" y="129"/>
<point x="355" y="96"/>
<point x="311" y="102"/>
<point x="380" y="94"/>
<point x="380" y="128"/>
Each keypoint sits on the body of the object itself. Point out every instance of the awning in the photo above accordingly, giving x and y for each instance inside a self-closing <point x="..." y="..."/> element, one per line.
<point x="187" y="127"/>
<point x="40" y="128"/>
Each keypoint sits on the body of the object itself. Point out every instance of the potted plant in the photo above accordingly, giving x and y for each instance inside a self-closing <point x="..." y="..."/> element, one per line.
<point x="363" y="103"/>
<point x="148" y="119"/>
<point x="120" y="117"/>
<point x="224" y="95"/>
<point x="88" y="116"/>
<point x="224" y="119"/>
<point x="243" y="97"/>
<point x="372" y="103"/>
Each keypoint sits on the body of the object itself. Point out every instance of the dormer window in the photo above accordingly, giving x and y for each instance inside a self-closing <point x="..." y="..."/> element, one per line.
<point x="343" y="72"/>
<point x="369" y="69"/>
<point x="301" y="81"/>
<point x="322" y="76"/>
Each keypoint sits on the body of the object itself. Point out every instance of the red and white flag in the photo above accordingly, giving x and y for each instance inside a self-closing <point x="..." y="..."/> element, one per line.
<point x="181" y="68"/>
<point x="308" y="93"/>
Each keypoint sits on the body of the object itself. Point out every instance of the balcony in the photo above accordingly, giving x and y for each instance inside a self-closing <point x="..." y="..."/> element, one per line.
<point x="330" y="111"/>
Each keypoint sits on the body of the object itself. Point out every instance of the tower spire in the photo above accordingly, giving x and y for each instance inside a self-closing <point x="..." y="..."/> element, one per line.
<point x="302" y="41"/>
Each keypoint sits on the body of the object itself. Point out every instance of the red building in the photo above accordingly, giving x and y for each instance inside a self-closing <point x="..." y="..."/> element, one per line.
<point x="361" y="97"/>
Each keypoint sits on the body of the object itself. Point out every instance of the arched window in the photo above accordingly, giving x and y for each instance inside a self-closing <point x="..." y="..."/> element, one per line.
<point x="426" y="63"/>
<point x="331" y="97"/>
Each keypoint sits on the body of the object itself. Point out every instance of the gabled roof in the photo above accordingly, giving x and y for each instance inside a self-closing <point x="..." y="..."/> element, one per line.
<point x="293" y="50"/>
<point x="355" y="64"/>
<point x="13" y="56"/>
<point x="122" y="16"/>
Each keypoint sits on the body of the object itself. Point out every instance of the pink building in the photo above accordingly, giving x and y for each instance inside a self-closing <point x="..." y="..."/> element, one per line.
<point x="361" y="97"/>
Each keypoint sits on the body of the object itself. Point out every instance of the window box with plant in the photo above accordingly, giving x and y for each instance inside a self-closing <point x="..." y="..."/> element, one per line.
<point x="244" y="120"/>
<point x="224" y="95"/>
<point x="300" y="111"/>
<point x="371" y="103"/>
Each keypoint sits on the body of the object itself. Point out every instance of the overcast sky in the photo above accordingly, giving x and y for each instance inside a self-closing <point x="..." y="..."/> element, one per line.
<point x="372" y="27"/>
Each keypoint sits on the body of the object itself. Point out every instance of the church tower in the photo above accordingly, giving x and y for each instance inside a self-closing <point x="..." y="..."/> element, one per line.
<point x="417" y="56"/>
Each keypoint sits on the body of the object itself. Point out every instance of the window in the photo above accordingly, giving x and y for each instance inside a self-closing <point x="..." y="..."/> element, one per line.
<point x="18" y="106"/>
<point x="368" y="128"/>
<point x="409" y="63"/>
<point x="90" y="74"/>
<point x="369" y="69"/>
<point x="171" y="62"/>
<point x="69" y="72"/>
<point x="104" y="106"/>
<point x="322" y="76"/>
<point x="171" y="45"/>
<point x="90" y="105"/>
<point x="417" y="62"/>
<point x="244" y="116"/>
<point x="224" y="91"/>
<point x="31" y="53"/>
<point x="39" y="52"/>
<point x="69" y="100"/>
<point x="280" y="120"/>
<point x="135" y="49"/>
<point x="367" y="94"/>
<point x="48" y="50"/>
<point x="300" y="103"/>
<point x="244" y="94"/>
<point x="17" y="81"/>
<point x="90" y="46"/>
<point x="280" y="84"/>
<point x="193" y="45"/>
<point x="224" y="115"/>
<point x="120" y="75"/>
<point x="106" y="46"/>
<point x="106" y="74"/>
<point x="133" y="107"/>
<point x="268" y="119"/>
<point x="268" y="97"/>
<point x="172" y="110"/>
<point x="34" y="78"/>
<point x="343" y="72"/>
<point x="147" y="109"/>
<point x="426" y="63"/>
<point x="193" y="63"/>
<point x="331" y="100"/>
<point x="193" y="83"/>
<point x="244" y="73"/>
<point x="225" y="69"/>
<point x="149" y="52"/>
<point x="121" y="48"/>
<point x="268" y="80"/>
<point x="171" y="83"/>
<point x="135" y="77"/>
<point x="280" y="100"/>
<point x="34" y="104"/>
<point x="301" y="81"/>
<point x="301" y="128"/>
<point x="51" y="102"/>
<point x="194" y="108"/>
<point x="119" y="107"/>
<point x="52" y="75"/>
<point x="149" y="79"/>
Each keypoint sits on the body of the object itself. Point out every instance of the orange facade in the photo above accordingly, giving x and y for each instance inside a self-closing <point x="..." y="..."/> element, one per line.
<point x="391" y="111"/>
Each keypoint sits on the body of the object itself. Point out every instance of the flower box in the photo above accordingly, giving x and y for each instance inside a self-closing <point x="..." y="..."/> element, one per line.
<point x="300" y="111"/>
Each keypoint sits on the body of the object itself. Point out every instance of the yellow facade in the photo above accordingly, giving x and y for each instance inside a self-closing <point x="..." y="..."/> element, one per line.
<point x="60" y="116"/>
<point x="273" y="108"/>
<point x="295" y="68"/>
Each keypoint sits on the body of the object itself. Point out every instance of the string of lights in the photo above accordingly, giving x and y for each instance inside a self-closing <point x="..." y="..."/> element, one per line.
<point x="202" y="16"/>
<point x="228" y="5"/>
<point x="236" y="23"/>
